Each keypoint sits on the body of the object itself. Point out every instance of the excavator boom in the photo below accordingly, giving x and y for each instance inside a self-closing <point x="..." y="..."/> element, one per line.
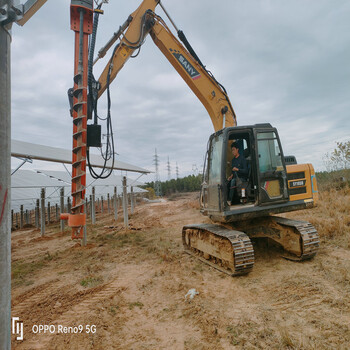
<point x="208" y="90"/>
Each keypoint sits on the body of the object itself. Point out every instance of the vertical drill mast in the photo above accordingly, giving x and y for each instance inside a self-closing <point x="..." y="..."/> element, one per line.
<point x="81" y="24"/>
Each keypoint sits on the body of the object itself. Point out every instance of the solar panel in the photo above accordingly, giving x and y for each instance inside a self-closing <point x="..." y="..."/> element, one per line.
<point x="60" y="155"/>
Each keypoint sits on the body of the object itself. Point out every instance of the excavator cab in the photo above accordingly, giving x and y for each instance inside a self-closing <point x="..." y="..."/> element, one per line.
<point x="265" y="186"/>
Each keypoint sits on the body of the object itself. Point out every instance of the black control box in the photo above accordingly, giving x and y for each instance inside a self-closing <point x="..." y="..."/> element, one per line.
<point x="93" y="135"/>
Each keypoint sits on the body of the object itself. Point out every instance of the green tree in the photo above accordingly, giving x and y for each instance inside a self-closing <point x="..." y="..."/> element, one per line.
<point x="189" y="183"/>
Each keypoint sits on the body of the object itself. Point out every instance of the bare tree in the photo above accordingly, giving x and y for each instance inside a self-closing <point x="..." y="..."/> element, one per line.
<point x="339" y="158"/>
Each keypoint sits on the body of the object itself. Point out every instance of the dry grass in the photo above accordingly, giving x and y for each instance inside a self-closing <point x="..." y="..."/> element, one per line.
<point x="331" y="217"/>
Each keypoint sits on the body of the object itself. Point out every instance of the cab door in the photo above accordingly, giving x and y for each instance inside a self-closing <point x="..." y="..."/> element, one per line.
<point x="272" y="174"/>
<point x="211" y="196"/>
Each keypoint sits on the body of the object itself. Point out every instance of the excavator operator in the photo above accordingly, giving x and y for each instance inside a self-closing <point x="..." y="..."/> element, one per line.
<point x="239" y="174"/>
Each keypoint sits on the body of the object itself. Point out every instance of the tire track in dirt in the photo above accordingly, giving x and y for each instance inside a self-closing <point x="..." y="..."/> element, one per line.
<point x="76" y="312"/>
<point x="32" y="297"/>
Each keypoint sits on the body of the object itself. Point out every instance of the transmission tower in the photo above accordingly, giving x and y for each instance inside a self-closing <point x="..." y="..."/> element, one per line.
<point x="157" y="186"/>
<point x="169" y="169"/>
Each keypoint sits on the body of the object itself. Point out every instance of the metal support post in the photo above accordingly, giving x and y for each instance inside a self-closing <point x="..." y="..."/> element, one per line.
<point x="57" y="213"/>
<point x="37" y="206"/>
<point x="48" y="213"/>
<point x="27" y="217"/>
<point x="115" y="204"/>
<point x="43" y="214"/>
<point x="21" y="222"/>
<point x="84" y="240"/>
<point x="68" y="205"/>
<point x="101" y="204"/>
<point x="93" y="213"/>
<point x="62" y="207"/>
<point x="125" y="204"/>
<point x="132" y="199"/>
<point x="108" y="204"/>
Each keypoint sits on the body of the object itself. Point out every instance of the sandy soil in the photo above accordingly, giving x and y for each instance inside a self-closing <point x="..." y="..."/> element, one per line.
<point x="130" y="286"/>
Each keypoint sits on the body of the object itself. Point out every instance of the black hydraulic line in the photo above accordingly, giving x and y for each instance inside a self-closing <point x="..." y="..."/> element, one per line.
<point x="92" y="99"/>
<point x="188" y="46"/>
<point x="140" y="41"/>
<point x="190" y="49"/>
<point x="109" y="152"/>
<point x="110" y="138"/>
<point x="114" y="38"/>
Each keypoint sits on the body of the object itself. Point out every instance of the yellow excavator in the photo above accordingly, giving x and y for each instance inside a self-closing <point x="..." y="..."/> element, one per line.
<point x="274" y="183"/>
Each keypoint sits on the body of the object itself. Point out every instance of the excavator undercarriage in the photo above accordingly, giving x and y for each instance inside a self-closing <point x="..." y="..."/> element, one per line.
<point x="229" y="248"/>
<point x="225" y="249"/>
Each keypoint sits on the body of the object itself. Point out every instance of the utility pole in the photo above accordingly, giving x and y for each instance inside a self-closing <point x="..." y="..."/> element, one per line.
<point x="157" y="186"/>
<point x="5" y="183"/>
<point x="177" y="171"/>
<point x="10" y="12"/>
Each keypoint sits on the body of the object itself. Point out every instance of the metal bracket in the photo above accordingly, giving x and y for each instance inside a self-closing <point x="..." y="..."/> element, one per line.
<point x="11" y="12"/>
<point x="25" y="160"/>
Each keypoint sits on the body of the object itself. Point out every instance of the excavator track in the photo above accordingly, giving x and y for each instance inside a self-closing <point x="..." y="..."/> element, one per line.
<point x="227" y="250"/>
<point x="309" y="239"/>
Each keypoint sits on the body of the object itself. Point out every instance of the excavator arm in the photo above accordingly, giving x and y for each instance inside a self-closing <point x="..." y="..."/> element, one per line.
<point x="131" y="34"/>
<point x="143" y="22"/>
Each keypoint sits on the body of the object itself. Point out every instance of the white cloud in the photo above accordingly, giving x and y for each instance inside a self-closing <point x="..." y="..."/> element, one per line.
<point x="281" y="62"/>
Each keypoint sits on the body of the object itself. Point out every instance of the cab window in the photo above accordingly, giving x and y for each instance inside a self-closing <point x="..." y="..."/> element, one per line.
<point x="270" y="157"/>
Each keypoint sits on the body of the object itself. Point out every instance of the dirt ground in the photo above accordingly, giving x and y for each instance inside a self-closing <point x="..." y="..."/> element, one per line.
<point x="126" y="289"/>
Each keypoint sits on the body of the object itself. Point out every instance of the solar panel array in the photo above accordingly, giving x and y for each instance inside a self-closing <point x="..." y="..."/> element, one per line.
<point x="26" y="187"/>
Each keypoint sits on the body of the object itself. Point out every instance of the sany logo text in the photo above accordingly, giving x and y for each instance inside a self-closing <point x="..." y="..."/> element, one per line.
<point x="194" y="74"/>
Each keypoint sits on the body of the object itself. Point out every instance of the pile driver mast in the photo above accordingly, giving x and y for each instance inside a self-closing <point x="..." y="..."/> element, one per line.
<point x="81" y="24"/>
